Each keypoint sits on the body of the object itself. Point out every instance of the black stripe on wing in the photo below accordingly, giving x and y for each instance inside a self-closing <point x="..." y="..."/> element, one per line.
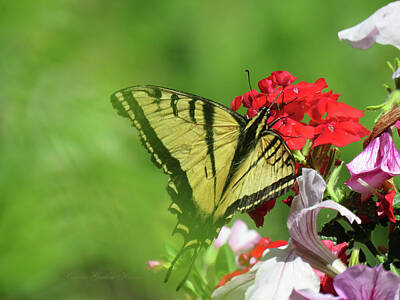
<point x="145" y="88"/>
<point x="128" y="107"/>
<point x="250" y="202"/>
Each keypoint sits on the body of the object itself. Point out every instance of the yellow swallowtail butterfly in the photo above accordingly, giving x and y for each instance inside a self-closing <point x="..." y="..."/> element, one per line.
<point x="219" y="163"/>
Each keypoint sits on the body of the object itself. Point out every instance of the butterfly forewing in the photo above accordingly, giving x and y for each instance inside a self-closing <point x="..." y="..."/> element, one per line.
<point x="188" y="136"/>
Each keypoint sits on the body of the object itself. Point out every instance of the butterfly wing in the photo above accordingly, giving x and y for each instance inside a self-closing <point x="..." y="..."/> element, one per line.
<point x="203" y="147"/>
<point x="266" y="173"/>
<point x="193" y="140"/>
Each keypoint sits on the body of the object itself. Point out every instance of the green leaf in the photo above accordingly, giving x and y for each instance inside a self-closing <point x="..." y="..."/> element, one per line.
<point x="210" y="255"/>
<point x="171" y="250"/>
<point x="396" y="201"/>
<point x="225" y="262"/>
<point x="394" y="270"/>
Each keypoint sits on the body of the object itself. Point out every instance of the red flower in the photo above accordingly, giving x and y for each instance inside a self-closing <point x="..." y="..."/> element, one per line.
<point x="385" y="206"/>
<point x="277" y="78"/>
<point x="258" y="214"/>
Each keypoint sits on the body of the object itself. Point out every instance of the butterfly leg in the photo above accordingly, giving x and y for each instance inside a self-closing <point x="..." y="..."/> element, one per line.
<point x="195" y="253"/>
<point x="173" y="263"/>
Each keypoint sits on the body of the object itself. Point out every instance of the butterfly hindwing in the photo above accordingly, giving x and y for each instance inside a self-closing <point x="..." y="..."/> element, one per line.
<point x="267" y="172"/>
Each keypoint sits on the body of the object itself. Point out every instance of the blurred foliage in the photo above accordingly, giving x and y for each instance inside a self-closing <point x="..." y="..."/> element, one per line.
<point x="82" y="208"/>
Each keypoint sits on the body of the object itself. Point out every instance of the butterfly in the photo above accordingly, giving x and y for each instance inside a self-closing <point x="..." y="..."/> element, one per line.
<point x="219" y="163"/>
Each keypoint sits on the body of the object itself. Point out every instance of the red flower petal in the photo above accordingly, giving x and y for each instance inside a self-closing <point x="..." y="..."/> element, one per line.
<point x="263" y="244"/>
<point x="246" y="99"/>
<point x="326" y="286"/>
<point x="266" y="86"/>
<point x="337" y="110"/>
<point x="236" y="103"/>
<point x="228" y="277"/>
<point x="258" y="214"/>
<point x="339" y="133"/>
<point x="288" y="200"/>
<point x="282" y="78"/>
<point x="339" y="250"/>
<point x="385" y="206"/>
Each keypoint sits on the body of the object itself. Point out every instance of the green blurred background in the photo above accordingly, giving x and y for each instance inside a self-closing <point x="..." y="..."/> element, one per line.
<point x="82" y="208"/>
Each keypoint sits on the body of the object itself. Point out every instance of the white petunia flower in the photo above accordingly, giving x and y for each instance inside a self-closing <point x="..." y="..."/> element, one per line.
<point x="382" y="27"/>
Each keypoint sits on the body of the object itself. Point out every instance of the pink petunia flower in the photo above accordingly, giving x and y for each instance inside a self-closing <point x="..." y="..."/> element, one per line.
<point x="358" y="283"/>
<point x="239" y="238"/>
<point x="378" y="162"/>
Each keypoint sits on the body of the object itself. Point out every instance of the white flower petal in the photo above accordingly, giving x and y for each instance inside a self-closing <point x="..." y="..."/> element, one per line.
<point x="302" y="223"/>
<point x="382" y="27"/>
<point x="278" y="273"/>
<point x="273" y="278"/>
<point x="344" y="211"/>
<point x="311" y="190"/>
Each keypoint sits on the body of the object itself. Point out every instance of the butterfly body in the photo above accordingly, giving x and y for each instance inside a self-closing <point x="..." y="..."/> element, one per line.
<point x="219" y="163"/>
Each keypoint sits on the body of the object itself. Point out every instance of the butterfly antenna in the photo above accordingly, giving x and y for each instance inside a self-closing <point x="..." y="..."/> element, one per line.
<point x="248" y="78"/>
<point x="195" y="253"/>
<point x="173" y="263"/>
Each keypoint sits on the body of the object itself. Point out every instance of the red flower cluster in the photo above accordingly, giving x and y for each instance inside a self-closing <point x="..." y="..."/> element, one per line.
<point x="331" y="122"/>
